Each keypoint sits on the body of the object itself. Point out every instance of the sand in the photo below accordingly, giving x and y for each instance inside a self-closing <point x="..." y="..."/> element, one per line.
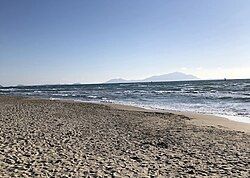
<point x="196" y="118"/>
<point x="42" y="138"/>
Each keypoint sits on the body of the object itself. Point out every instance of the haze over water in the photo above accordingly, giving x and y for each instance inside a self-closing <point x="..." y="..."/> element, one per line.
<point x="229" y="98"/>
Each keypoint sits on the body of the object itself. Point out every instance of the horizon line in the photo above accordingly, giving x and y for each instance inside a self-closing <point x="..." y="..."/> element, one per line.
<point x="105" y="83"/>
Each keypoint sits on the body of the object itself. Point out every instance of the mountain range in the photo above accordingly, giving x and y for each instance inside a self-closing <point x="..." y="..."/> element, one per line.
<point x="175" y="76"/>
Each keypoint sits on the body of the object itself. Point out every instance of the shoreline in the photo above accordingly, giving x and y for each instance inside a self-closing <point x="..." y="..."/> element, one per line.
<point x="198" y="119"/>
<point x="187" y="113"/>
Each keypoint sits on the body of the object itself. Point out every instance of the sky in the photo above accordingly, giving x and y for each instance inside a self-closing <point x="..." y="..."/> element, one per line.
<point x="83" y="41"/>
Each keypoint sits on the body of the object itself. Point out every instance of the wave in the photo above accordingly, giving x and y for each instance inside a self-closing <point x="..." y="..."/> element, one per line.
<point x="230" y="98"/>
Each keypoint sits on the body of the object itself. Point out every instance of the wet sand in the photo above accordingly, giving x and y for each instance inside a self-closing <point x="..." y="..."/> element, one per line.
<point x="196" y="118"/>
<point x="42" y="138"/>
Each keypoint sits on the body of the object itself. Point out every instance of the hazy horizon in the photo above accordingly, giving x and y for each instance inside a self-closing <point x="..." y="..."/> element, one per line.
<point x="136" y="80"/>
<point x="63" y="42"/>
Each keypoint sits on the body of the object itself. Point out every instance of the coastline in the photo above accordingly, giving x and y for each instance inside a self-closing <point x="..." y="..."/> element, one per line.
<point x="51" y="138"/>
<point x="196" y="118"/>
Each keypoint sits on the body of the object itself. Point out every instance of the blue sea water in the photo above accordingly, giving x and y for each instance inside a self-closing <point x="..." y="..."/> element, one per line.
<point x="229" y="98"/>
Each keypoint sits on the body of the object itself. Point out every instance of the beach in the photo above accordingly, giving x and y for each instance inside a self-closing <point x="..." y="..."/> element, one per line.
<point x="44" y="138"/>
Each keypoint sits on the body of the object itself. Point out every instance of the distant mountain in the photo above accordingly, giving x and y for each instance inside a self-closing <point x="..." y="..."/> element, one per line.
<point x="1" y="86"/>
<point x="118" y="80"/>
<point x="175" y="76"/>
<point x="76" y="83"/>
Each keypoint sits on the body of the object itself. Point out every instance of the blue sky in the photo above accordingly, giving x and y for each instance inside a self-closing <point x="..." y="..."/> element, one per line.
<point x="63" y="41"/>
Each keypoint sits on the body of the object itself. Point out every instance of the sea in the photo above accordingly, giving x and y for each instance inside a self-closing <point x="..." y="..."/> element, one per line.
<point x="226" y="98"/>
